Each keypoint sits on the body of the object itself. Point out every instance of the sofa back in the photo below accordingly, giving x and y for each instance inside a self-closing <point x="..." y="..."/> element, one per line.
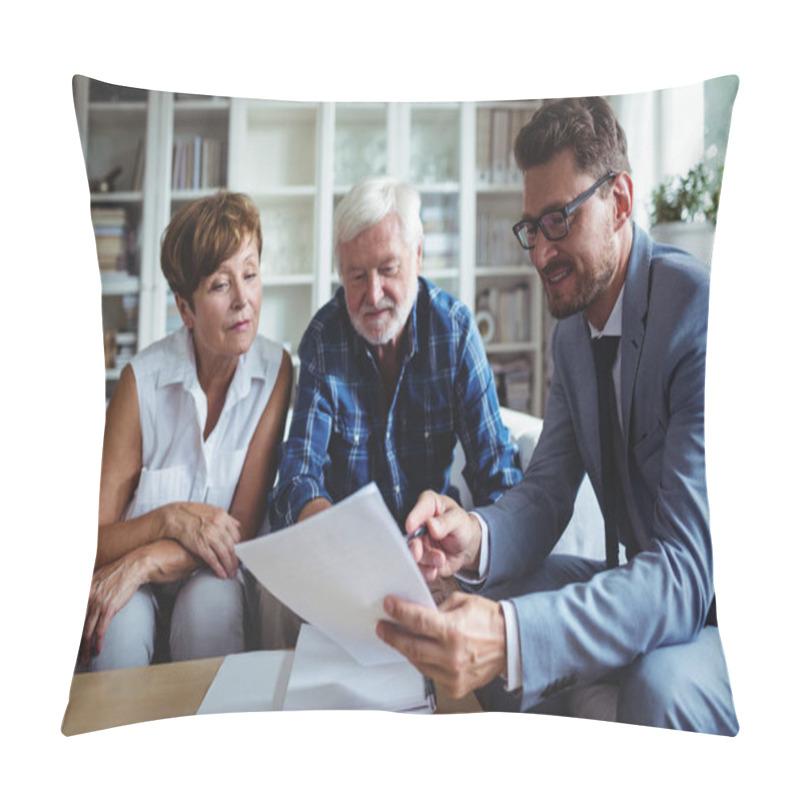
<point x="584" y="536"/>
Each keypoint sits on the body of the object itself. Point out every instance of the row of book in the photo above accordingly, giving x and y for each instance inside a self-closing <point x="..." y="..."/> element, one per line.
<point x="504" y="315"/>
<point x="495" y="243"/>
<point x="198" y="163"/>
<point x="113" y="238"/>
<point x="514" y="382"/>
<point x="440" y="231"/>
<point x="496" y="131"/>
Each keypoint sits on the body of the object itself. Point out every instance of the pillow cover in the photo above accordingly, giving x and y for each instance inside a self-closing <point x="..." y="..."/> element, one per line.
<point x="296" y="166"/>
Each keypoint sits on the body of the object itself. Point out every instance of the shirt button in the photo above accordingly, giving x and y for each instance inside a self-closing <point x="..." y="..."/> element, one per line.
<point x="355" y="438"/>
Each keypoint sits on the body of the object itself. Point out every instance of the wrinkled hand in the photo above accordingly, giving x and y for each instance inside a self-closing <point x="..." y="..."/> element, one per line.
<point x="208" y="532"/>
<point x="112" y="587"/>
<point x="461" y="645"/>
<point x="453" y="540"/>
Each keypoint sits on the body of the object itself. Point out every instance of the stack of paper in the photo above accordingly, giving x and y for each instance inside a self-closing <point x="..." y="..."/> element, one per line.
<point x="249" y="682"/>
<point x="334" y="570"/>
<point x="324" y="676"/>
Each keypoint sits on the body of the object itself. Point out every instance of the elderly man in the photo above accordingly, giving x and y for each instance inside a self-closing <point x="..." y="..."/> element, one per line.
<point x="649" y="625"/>
<point x="392" y="371"/>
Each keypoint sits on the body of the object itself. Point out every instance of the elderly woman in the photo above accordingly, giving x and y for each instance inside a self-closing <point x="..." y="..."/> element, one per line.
<point x="190" y="453"/>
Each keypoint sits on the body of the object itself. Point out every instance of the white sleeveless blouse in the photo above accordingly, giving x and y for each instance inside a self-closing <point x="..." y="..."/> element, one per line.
<point x="177" y="464"/>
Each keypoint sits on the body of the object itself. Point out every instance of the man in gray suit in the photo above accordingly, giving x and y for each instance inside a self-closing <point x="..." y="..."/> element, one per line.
<point x="649" y="624"/>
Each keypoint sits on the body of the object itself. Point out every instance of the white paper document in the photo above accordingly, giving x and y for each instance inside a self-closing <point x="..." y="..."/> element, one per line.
<point x="334" y="570"/>
<point x="253" y="681"/>
<point x="324" y="676"/>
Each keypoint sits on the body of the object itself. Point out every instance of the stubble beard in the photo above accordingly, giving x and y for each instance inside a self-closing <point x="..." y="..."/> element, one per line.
<point x="590" y="283"/>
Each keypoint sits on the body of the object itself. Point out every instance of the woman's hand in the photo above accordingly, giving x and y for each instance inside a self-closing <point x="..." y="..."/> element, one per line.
<point x="208" y="532"/>
<point x="112" y="587"/>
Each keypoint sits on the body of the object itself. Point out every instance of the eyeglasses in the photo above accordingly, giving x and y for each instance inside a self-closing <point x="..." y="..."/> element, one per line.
<point x="555" y="224"/>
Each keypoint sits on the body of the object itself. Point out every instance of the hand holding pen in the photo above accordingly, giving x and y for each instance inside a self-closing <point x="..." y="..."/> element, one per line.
<point x="420" y="531"/>
<point x="442" y="538"/>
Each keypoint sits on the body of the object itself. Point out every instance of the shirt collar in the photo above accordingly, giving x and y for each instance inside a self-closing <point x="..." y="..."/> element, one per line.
<point x="182" y="368"/>
<point x="179" y="366"/>
<point x="613" y="325"/>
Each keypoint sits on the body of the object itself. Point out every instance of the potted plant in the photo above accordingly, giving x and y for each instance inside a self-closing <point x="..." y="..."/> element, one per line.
<point x="683" y="209"/>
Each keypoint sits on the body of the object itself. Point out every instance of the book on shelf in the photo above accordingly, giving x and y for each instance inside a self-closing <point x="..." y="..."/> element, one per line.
<point x="114" y="217"/>
<point x="496" y="132"/>
<point x="483" y="144"/>
<point x="513" y="380"/>
<point x="440" y="234"/>
<point x="197" y="163"/>
<point x="482" y="238"/>
<point x="501" y="144"/>
<point x="111" y="236"/>
<point x="495" y="244"/>
<point x="509" y="309"/>
<point x="178" y="157"/>
<point x="138" y="167"/>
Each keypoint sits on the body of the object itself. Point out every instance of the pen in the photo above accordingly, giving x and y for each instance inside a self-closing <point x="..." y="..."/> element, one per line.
<point x="421" y="531"/>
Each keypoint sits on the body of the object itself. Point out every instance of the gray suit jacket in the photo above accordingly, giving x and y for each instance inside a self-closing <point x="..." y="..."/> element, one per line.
<point x="662" y="595"/>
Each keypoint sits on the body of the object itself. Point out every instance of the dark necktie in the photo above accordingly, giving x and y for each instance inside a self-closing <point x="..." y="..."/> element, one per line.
<point x="605" y="349"/>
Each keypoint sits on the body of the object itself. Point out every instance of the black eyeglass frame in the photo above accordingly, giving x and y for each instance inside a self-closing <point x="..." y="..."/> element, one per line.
<point x="567" y="211"/>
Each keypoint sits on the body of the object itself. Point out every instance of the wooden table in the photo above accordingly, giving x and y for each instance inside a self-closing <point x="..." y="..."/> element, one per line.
<point x="108" y="699"/>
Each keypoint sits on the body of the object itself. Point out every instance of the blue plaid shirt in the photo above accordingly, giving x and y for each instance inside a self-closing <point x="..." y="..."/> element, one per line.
<point x="342" y="436"/>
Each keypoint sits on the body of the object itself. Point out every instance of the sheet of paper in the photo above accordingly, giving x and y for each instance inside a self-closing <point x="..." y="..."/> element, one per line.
<point x="253" y="681"/>
<point x="335" y="568"/>
<point x="326" y="677"/>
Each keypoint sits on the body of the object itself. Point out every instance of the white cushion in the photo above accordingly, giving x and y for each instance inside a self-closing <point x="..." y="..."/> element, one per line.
<point x="584" y="535"/>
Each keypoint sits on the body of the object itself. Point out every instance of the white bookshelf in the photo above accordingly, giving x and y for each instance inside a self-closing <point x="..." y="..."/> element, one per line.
<point x="296" y="160"/>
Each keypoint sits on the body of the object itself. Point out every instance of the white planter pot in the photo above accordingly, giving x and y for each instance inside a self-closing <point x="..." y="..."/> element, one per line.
<point x="696" y="238"/>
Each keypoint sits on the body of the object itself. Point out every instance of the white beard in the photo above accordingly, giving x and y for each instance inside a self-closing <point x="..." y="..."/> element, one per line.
<point x="388" y="331"/>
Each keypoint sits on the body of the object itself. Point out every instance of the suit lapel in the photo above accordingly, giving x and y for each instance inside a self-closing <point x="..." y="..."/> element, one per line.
<point x="634" y="318"/>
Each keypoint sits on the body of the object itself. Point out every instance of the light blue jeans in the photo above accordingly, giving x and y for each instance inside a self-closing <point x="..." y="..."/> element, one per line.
<point x="199" y="617"/>
<point x="683" y="686"/>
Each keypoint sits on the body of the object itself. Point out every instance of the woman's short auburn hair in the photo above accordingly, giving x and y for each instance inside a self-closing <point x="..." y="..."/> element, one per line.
<point x="203" y="234"/>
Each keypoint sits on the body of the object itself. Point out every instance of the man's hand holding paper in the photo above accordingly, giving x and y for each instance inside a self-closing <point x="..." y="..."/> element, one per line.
<point x="461" y="645"/>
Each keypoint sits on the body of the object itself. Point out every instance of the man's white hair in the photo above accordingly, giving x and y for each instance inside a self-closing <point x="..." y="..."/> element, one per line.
<point x="369" y="202"/>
